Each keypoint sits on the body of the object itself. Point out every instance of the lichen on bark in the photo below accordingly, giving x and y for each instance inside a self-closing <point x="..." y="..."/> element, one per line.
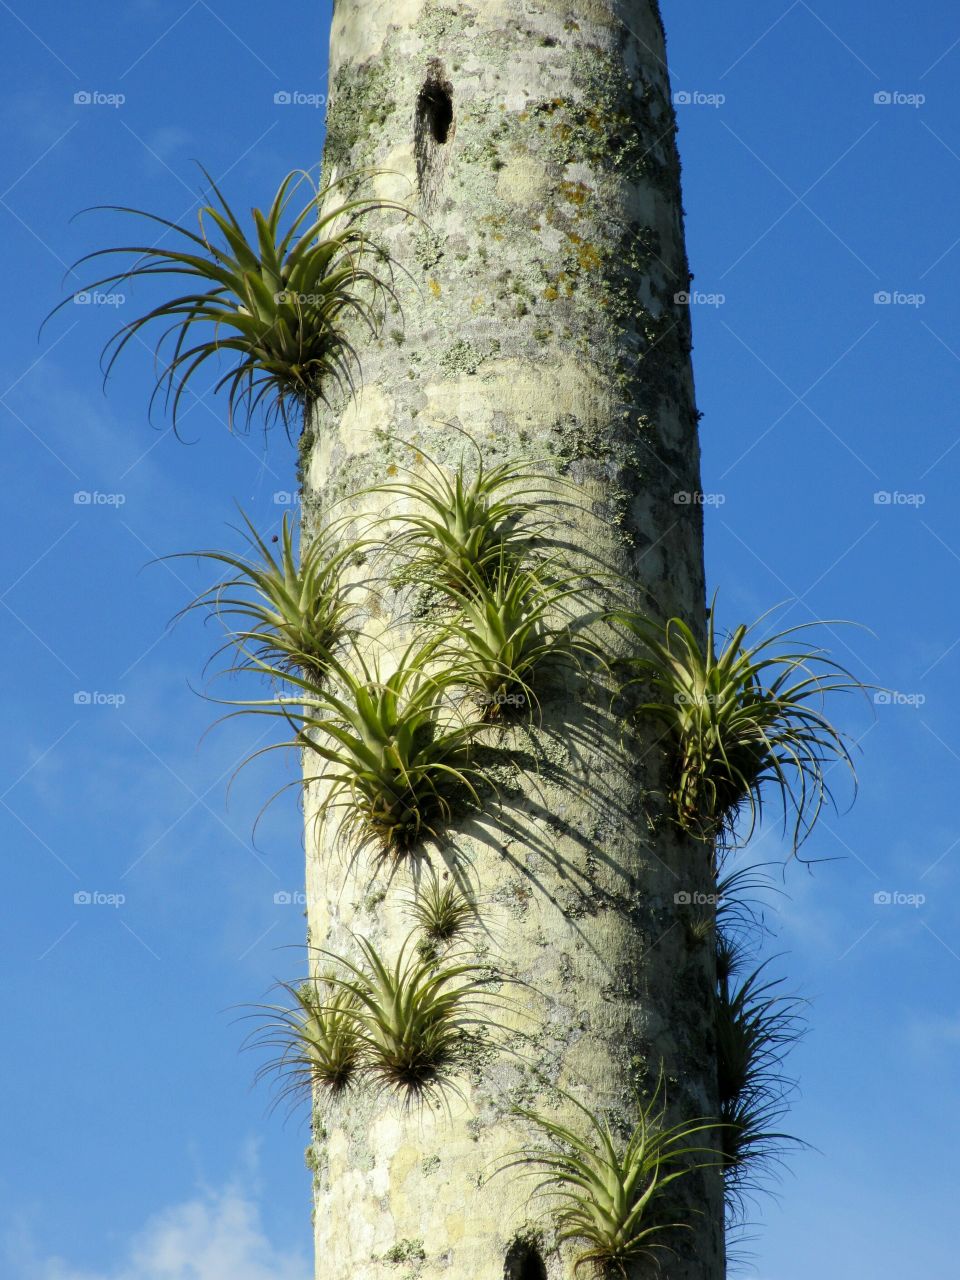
<point x="538" y="316"/>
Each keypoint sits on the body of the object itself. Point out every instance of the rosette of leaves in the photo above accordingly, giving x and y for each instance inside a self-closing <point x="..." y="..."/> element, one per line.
<point x="740" y="722"/>
<point x="755" y="1026"/>
<point x="276" y="302"/>
<point x="443" y="912"/>
<point x="611" y="1196"/>
<point x="284" y="611"/>
<point x="318" y="1038"/>
<point x="460" y="527"/>
<point x="418" y="1016"/>
<point x="391" y="752"/>
<point x="512" y="626"/>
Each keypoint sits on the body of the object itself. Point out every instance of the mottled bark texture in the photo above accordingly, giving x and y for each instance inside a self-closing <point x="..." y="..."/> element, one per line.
<point x="536" y="140"/>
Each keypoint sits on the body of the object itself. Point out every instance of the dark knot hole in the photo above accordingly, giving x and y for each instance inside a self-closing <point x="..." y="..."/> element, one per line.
<point x="435" y="109"/>
<point x="523" y="1262"/>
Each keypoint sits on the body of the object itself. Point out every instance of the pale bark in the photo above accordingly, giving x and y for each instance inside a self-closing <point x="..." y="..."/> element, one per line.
<point x="540" y="317"/>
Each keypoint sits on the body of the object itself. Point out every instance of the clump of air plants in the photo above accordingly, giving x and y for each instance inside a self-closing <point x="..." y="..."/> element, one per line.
<point x="420" y="1015"/>
<point x="286" y="612"/>
<point x="755" y="1028"/>
<point x="460" y="528"/>
<point x="276" y="301"/>
<point x="392" y="752"/>
<point x="319" y="1038"/>
<point x="609" y="1195"/>
<point x="406" y="1024"/>
<point x="740" y="722"/>
<point x="510" y="627"/>
<point x="443" y="911"/>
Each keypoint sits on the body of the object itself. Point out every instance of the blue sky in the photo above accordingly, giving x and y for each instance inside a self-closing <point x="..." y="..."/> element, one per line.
<point x="135" y="1146"/>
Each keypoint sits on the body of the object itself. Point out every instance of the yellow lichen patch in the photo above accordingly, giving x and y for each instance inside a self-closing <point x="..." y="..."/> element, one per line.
<point x="434" y="287"/>
<point x="550" y="293"/>
<point x="477" y="303"/>
<point x="577" y="193"/>
<point x="589" y="257"/>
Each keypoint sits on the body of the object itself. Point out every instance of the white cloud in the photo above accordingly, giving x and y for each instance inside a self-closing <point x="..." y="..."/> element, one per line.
<point x="215" y="1236"/>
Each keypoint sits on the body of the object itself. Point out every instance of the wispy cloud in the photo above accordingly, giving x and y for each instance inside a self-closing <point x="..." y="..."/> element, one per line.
<point x="215" y="1236"/>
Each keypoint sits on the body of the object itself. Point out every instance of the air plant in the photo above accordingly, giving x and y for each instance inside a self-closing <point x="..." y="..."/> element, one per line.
<point x="738" y="721"/>
<point x="393" y="751"/>
<point x="755" y="1028"/>
<point x="508" y="629"/>
<point x="277" y="303"/>
<point x="462" y="527"/>
<point x="418" y="1016"/>
<point x="609" y="1195"/>
<point x="319" y="1036"/>
<point x="442" y="912"/>
<point x="282" y="611"/>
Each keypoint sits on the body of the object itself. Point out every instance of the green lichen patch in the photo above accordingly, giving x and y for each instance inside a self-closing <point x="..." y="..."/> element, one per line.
<point x="361" y="104"/>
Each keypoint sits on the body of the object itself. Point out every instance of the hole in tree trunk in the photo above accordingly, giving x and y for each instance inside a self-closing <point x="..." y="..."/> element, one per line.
<point x="435" y="109"/>
<point x="523" y="1262"/>
<point x="432" y="130"/>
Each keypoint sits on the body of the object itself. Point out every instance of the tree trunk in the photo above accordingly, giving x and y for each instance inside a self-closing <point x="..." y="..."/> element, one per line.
<point x="539" y="314"/>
